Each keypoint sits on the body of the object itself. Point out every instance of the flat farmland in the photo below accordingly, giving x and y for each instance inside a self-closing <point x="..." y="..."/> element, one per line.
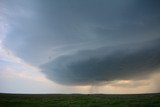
<point x="80" y="100"/>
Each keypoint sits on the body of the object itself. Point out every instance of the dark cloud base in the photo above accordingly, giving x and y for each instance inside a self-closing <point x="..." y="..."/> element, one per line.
<point x="128" y="61"/>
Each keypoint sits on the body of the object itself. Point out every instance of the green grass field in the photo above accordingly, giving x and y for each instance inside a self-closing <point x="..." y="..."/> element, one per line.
<point x="79" y="100"/>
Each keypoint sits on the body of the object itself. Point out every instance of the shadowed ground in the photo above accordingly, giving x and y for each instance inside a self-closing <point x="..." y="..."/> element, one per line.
<point x="79" y="100"/>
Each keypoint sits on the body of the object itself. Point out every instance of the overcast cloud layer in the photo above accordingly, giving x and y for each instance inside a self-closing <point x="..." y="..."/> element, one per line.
<point x="79" y="42"/>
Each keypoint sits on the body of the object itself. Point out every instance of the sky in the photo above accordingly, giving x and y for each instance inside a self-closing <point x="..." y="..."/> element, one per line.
<point x="80" y="46"/>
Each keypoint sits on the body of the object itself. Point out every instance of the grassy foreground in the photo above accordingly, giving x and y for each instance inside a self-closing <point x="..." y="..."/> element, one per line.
<point x="79" y="100"/>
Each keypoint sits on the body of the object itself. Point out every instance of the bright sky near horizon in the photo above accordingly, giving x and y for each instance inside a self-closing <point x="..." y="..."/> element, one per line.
<point x="79" y="46"/>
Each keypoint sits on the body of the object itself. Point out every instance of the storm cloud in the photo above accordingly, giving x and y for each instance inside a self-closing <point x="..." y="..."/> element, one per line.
<point x="52" y="28"/>
<point x="128" y="61"/>
<point x="80" y="42"/>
